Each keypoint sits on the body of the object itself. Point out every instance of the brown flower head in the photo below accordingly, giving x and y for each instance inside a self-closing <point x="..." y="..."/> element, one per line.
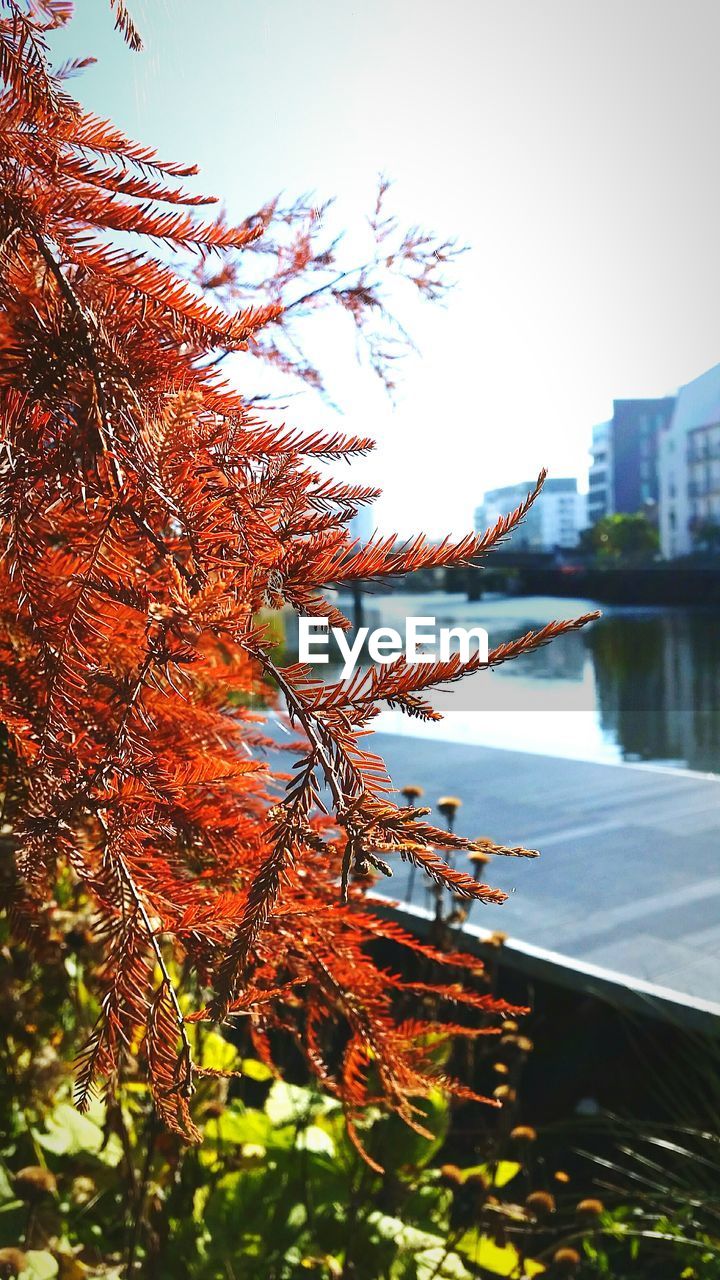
<point x="590" y="1208"/>
<point x="412" y="793"/>
<point x="523" y="1133"/>
<point x="478" y="862"/>
<point x="33" y="1182"/>
<point x="505" y="1093"/>
<point x="496" y="939"/>
<point x="540" y="1204"/>
<point x="448" y="807"/>
<point x="82" y="1189"/>
<point x="566" y="1260"/>
<point x="12" y="1263"/>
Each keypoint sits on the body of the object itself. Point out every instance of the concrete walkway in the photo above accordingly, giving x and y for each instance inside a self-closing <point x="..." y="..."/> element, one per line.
<point x="629" y="877"/>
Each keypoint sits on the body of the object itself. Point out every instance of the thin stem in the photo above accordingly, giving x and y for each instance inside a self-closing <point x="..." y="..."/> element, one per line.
<point x="152" y="936"/>
<point x="89" y="334"/>
<point x="316" y="734"/>
<point x="141" y="1194"/>
<point x="107" y="434"/>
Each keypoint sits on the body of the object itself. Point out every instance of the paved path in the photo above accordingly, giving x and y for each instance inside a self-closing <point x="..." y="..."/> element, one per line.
<point x="629" y="877"/>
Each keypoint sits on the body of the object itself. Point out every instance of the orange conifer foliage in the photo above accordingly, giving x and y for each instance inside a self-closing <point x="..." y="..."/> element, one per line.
<point x="146" y="516"/>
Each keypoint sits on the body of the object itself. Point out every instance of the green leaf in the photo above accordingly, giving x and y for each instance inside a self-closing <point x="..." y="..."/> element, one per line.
<point x="6" y="1191"/>
<point x="239" y="1127"/>
<point x="499" y="1260"/>
<point x="396" y="1145"/>
<point x="437" y="1263"/>
<point x="290" y="1104"/>
<point x="68" y="1133"/>
<point x="287" y="1103"/>
<point x="297" y="1217"/>
<point x="236" y="1127"/>
<point x="40" y="1265"/>
<point x="256" y="1070"/>
<point x="403" y="1235"/>
<point x="315" y="1139"/>
<point x="497" y="1175"/>
<point x="218" y="1054"/>
<point x="504" y="1172"/>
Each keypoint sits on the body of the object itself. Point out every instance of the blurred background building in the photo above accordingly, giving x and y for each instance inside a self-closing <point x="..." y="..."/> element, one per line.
<point x="689" y="470"/>
<point x="555" y="519"/>
<point x="600" y="494"/>
<point x="636" y="430"/>
<point x="659" y="457"/>
<point x="624" y="469"/>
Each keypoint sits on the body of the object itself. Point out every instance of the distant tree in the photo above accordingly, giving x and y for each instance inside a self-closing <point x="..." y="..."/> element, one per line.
<point x="622" y="538"/>
<point x="706" y="536"/>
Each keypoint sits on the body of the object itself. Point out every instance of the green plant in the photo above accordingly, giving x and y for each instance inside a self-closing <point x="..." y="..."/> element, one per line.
<point x="622" y="539"/>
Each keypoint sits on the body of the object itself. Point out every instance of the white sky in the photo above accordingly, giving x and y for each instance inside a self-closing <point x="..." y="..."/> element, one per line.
<point x="571" y="143"/>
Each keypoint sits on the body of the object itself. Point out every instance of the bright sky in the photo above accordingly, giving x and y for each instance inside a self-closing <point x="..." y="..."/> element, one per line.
<point x="571" y="143"/>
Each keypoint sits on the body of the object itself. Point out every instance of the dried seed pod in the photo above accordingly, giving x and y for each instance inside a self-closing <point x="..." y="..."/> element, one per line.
<point x="12" y="1263"/>
<point x="566" y="1260"/>
<point x="496" y="939"/>
<point x="479" y="861"/>
<point x="450" y="1175"/>
<point x="33" y="1183"/>
<point x="82" y="1189"/>
<point x="448" y="807"/>
<point x="411" y="793"/>
<point x="523" y="1133"/>
<point x="590" y="1208"/>
<point x="540" y="1204"/>
<point x="505" y="1093"/>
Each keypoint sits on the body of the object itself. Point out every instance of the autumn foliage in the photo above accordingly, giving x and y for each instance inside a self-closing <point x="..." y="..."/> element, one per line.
<point x="148" y="516"/>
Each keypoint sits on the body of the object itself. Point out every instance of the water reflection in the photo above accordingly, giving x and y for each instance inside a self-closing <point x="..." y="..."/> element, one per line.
<point x="639" y="685"/>
<point x="658" y="684"/>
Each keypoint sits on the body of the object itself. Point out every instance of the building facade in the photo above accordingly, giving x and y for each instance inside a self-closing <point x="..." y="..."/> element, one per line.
<point x="600" y="494"/>
<point x="689" y="468"/>
<point x="555" y="519"/>
<point x="624" y="468"/>
<point x="637" y="426"/>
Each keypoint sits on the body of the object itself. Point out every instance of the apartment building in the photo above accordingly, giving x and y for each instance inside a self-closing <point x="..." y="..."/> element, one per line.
<point x="689" y="467"/>
<point x="624" y="468"/>
<point x="554" y="520"/>
<point x="600" y="493"/>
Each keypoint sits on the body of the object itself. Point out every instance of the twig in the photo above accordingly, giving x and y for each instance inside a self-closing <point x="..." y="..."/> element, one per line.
<point x="139" y="1205"/>
<point x="152" y="936"/>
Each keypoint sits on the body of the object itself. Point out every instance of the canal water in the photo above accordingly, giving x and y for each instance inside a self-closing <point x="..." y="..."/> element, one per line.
<point x="639" y="685"/>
